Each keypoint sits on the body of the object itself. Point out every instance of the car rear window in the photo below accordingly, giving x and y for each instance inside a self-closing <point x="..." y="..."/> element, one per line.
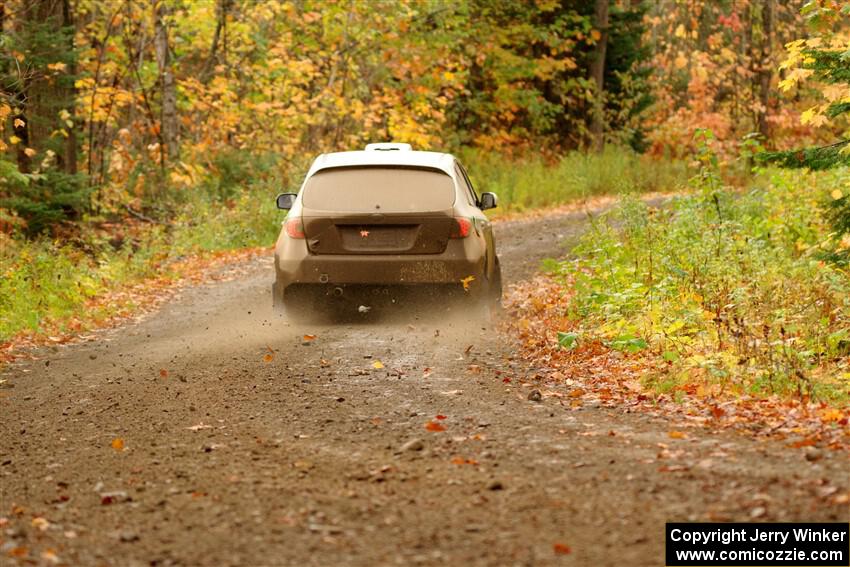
<point x="385" y="189"/>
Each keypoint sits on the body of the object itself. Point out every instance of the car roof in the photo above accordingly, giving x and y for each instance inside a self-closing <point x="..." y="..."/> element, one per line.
<point x="431" y="160"/>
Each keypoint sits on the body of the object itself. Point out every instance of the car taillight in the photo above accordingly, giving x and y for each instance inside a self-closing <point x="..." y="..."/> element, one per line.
<point x="294" y="228"/>
<point x="461" y="229"/>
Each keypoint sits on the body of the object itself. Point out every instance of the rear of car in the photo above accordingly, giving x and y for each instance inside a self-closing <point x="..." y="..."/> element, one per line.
<point x="377" y="226"/>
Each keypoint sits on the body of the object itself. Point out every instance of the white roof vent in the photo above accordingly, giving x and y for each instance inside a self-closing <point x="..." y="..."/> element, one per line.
<point x="388" y="147"/>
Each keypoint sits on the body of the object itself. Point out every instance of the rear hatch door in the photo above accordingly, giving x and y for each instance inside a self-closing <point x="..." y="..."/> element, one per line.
<point x="378" y="210"/>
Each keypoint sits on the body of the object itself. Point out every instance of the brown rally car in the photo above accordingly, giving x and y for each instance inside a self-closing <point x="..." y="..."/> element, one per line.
<point x="375" y="227"/>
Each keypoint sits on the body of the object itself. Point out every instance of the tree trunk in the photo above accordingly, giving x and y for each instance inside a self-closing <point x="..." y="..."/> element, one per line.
<point x="765" y="67"/>
<point x="70" y="94"/>
<point x="168" y="92"/>
<point x="597" y="72"/>
<point x="222" y="9"/>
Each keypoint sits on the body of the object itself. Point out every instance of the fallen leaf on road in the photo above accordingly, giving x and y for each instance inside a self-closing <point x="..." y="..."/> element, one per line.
<point x="474" y="369"/>
<point x="309" y="338"/>
<point x="466" y="281"/>
<point x="808" y="442"/>
<point x="831" y="414"/>
<point x="673" y="468"/>
<point x="462" y="461"/>
<point x="199" y="427"/>
<point x="426" y="372"/>
<point x="163" y="373"/>
<point x="377" y="365"/>
<point x="118" y="444"/>
<point x="268" y="357"/>
<point x="434" y="426"/>
<point x="440" y="416"/>
<point x="677" y="435"/>
<point x="40" y="523"/>
<point x="561" y="549"/>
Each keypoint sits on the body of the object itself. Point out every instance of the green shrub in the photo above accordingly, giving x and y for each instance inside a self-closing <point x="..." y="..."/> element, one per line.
<point x="44" y="200"/>
<point x="726" y="288"/>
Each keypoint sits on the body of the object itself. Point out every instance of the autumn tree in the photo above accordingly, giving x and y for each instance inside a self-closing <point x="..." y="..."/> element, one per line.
<point x="821" y="61"/>
<point x="715" y="66"/>
<point x="37" y="75"/>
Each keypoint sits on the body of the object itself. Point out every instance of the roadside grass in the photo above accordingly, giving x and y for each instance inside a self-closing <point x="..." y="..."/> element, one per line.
<point x="722" y="292"/>
<point x="51" y="284"/>
<point x="532" y="183"/>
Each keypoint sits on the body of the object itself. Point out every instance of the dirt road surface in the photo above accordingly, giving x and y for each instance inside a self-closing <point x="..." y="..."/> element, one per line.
<point x="316" y="457"/>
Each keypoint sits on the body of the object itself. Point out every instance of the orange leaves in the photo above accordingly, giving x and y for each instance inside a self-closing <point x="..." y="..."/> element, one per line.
<point x="461" y="461"/>
<point x="269" y="356"/>
<point x="677" y="435"/>
<point x="561" y="549"/>
<point x="163" y="373"/>
<point x="717" y="412"/>
<point x="831" y="414"/>
<point x="309" y="338"/>
<point x="377" y="365"/>
<point x="434" y="427"/>
<point x="807" y="442"/>
<point x="117" y="444"/>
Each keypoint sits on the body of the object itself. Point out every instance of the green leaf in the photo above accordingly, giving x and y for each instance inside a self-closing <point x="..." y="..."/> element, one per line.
<point x="670" y="356"/>
<point x="568" y="341"/>
<point x="628" y="343"/>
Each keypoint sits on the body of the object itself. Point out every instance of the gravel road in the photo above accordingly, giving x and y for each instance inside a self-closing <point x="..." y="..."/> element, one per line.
<point x="244" y="444"/>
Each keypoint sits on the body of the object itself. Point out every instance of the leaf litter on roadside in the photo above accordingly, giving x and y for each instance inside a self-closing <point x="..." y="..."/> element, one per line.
<point x="539" y="322"/>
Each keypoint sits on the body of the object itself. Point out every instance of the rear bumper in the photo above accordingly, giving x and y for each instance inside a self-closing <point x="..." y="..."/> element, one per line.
<point x="294" y="264"/>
